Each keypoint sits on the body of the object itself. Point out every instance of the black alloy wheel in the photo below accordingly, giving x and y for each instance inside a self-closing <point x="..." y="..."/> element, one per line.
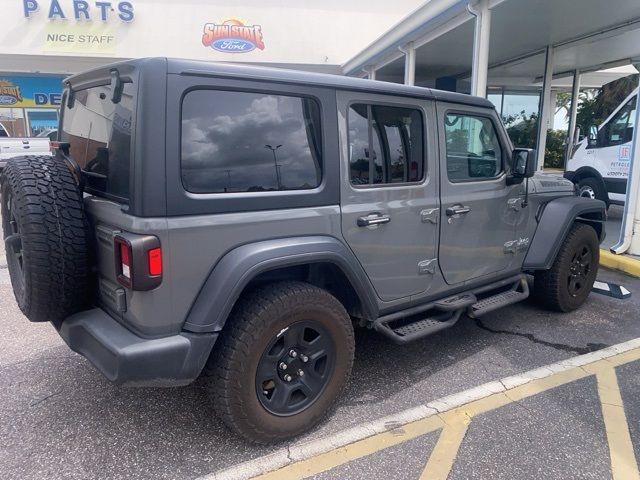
<point x="295" y="368"/>
<point x="567" y="284"/>
<point x="579" y="270"/>
<point x="281" y="361"/>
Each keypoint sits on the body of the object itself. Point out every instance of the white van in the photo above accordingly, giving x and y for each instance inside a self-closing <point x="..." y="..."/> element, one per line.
<point x="600" y="164"/>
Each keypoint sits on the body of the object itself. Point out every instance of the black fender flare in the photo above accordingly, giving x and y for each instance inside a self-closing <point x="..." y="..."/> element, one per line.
<point x="554" y="223"/>
<point x="239" y="266"/>
<point x="586" y="172"/>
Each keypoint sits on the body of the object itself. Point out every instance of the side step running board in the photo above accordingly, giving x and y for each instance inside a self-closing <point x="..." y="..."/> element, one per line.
<point x="518" y="292"/>
<point x="418" y="329"/>
<point x="441" y="315"/>
<point x="424" y="320"/>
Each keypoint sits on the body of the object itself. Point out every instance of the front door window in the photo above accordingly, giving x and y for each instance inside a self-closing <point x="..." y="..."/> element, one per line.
<point x="473" y="149"/>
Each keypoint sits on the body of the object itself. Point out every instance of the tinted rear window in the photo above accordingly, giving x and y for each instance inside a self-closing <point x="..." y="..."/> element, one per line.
<point x="99" y="132"/>
<point x="385" y="145"/>
<point x="249" y="142"/>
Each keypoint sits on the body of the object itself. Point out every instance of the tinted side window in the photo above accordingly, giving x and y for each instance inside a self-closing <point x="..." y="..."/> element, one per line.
<point x="385" y="145"/>
<point x="473" y="148"/>
<point x="249" y="142"/>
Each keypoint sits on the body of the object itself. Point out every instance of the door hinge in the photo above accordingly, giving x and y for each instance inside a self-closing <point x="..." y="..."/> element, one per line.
<point x="430" y="215"/>
<point x="427" y="267"/>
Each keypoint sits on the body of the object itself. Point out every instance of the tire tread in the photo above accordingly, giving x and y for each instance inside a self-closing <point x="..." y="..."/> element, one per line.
<point x="548" y="287"/>
<point x="227" y="363"/>
<point x="55" y="234"/>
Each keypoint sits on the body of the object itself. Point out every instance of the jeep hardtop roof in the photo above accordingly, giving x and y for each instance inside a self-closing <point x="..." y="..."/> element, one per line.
<point x="278" y="75"/>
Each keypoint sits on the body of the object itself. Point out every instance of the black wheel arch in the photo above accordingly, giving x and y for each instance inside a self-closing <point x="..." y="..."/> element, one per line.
<point x="554" y="224"/>
<point x="311" y="259"/>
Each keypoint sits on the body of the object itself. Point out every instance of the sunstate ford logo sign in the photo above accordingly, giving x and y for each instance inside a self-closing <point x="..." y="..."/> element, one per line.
<point x="232" y="36"/>
<point x="9" y="93"/>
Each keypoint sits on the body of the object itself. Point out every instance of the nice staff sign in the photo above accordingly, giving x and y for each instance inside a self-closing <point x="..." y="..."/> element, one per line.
<point x="92" y="30"/>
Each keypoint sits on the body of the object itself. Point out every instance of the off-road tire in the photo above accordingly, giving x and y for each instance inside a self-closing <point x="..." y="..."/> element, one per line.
<point x="258" y="317"/>
<point x="41" y="203"/>
<point x="593" y="185"/>
<point x="551" y="287"/>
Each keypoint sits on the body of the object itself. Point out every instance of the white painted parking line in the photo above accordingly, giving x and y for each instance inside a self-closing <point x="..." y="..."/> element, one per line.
<point x="298" y="452"/>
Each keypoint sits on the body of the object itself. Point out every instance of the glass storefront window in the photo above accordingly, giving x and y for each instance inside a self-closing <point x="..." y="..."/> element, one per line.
<point x="519" y="111"/>
<point x="496" y="99"/>
<point x="42" y="122"/>
<point x="12" y="119"/>
<point x="518" y="106"/>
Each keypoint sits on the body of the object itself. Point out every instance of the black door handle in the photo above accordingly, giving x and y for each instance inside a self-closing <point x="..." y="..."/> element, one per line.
<point x="457" y="210"/>
<point x="373" y="219"/>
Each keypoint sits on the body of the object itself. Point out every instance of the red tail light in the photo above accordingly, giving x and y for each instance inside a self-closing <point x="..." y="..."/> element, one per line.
<point x="155" y="261"/>
<point x="138" y="261"/>
<point x="124" y="266"/>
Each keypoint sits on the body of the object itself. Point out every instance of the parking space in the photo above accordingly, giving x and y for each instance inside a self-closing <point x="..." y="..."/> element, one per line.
<point x="60" y="419"/>
<point x="566" y="420"/>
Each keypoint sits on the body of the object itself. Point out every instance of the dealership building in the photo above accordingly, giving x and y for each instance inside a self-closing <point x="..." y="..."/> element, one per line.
<point x="518" y="53"/>
<point x="42" y="41"/>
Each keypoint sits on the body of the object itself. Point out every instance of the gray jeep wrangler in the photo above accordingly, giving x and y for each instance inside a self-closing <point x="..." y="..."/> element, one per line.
<point x="238" y="223"/>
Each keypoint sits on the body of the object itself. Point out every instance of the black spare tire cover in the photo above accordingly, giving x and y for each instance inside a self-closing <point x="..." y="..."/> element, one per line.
<point x="46" y="236"/>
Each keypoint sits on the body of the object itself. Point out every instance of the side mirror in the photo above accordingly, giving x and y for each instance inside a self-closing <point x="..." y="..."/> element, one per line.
<point x="523" y="162"/>
<point x="592" y="139"/>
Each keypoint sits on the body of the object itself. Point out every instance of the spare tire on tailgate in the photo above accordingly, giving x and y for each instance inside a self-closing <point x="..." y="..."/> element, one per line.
<point x="46" y="237"/>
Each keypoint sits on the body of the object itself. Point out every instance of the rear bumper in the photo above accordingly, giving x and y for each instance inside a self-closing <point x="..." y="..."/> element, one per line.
<point x="125" y="358"/>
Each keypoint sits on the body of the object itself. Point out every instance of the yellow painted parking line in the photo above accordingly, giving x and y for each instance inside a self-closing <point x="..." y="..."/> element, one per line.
<point x="362" y="448"/>
<point x="446" y="450"/>
<point x="455" y="423"/>
<point x="623" y="460"/>
<point x="624" y="263"/>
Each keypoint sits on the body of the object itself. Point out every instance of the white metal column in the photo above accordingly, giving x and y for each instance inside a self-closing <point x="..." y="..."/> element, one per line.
<point x="630" y="231"/>
<point x="409" y="64"/>
<point x="371" y="72"/>
<point x="481" y="42"/>
<point x="545" y="106"/>
<point x="573" y="114"/>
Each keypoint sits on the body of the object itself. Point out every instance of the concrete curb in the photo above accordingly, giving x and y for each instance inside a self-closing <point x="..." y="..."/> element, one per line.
<point x="624" y="263"/>
<point x="304" y="450"/>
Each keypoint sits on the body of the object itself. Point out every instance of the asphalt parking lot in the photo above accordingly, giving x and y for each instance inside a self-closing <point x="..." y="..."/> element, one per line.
<point x="59" y="418"/>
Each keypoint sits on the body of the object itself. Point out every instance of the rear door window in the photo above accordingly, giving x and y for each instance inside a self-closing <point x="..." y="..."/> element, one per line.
<point x="249" y="142"/>
<point x="99" y="132"/>
<point x="385" y="145"/>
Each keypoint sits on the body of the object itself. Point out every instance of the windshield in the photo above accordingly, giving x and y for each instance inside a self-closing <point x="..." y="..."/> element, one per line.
<point x="99" y="132"/>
